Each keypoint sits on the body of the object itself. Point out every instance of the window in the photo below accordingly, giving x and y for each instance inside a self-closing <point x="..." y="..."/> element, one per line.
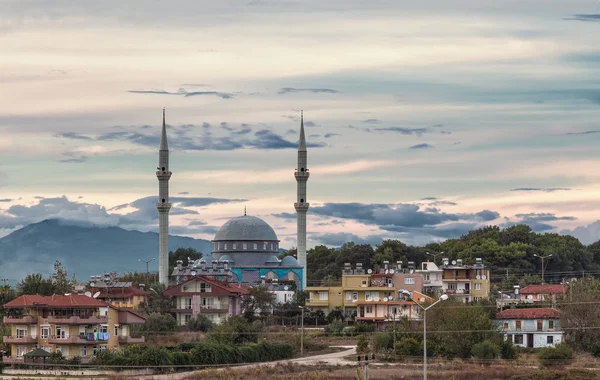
<point x="388" y="281"/>
<point x="505" y="325"/>
<point x="426" y="274"/>
<point x="354" y="296"/>
<point x="187" y="303"/>
<point x="116" y="330"/>
<point x="409" y="281"/>
<point x="255" y="246"/>
<point x="21" y="351"/>
<point x="103" y="328"/>
<point x="478" y="286"/>
<point x="348" y="296"/>
<point x="234" y="245"/>
<point x="245" y="246"/>
<point x="551" y="324"/>
<point x="204" y="287"/>
<point x="452" y="286"/>
<point x="369" y="309"/>
<point x="540" y="325"/>
<point x="364" y="282"/>
<point x="83" y="351"/>
<point x="21" y="332"/>
<point x="518" y="325"/>
<point x="60" y="332"/>
<point x="187" y="317"/>
<point x="45" y="332"/>
<point x="208" y="301"/>
<point x="519" y="339"/>
<point x="425" y="268"/>
<point x="323" y="296"/>
<point x="509" y="338"/>
<point x="550" y="339"/>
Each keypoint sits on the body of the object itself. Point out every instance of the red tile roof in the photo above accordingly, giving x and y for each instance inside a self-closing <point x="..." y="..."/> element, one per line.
<point x="530" y="313"/>
<point x="544" y="289"/>
<point x="75" y="300"/>
<point x="26" y="301"/>
<point x="127" y="292"/>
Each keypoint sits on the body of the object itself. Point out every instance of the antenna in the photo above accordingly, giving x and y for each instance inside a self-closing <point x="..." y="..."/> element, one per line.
<point x="96" y="295"/>
<point x="88" y="294"/>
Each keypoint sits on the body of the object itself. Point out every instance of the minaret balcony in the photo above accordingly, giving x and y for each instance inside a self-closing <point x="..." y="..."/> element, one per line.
<point x="302" y="175"/>
<point x="163" y="174"/>
<point x="301" y="206"/>
<point x="163" y="206"/>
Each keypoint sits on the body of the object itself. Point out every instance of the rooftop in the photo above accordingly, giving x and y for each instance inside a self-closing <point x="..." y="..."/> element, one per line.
<point x="246" y="228"/>
<point x="530" y="313"/>
<point x="544" y="289"/>
<point x="55" y="301"/>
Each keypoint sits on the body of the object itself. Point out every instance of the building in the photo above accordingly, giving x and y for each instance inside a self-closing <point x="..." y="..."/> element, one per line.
<point x="119" y="294"/>
<point x="392" y="308"/>
<point x="541" y="293"/>
<point x="432" y="277"/>
<point x="75" y="325"/>
<point x="531" y="327"/>
<point x="245" y="248"/>
<point x="163" y="206"/>
<point x="467" y="283"/>
<point x="208" y="296"/>
<point x="359" y="286"/>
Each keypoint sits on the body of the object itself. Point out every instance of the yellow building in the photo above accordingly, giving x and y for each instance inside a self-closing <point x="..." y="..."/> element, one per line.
<point x="75" y="325"/>
<point x="122" y="295"/>
<point x="467" y="283"/>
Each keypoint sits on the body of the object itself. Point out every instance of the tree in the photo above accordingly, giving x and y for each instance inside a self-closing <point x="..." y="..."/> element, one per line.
<point x="290" y="252"/>
<point x="580" y="313"/>
<point x="158" y="302"/>
<point x="485" y="350"/>
<point x="235" y="330"/>
<point x="35" y="283"/>
<point x="157" y="322"/>
<point x="259" y="301"/>
<point x="200" y="323"/>
<point x="182" y="254"/>
<point x="60" y="279"/>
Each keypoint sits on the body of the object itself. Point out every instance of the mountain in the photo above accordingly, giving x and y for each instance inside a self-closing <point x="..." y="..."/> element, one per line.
<point x="83" y="249"/>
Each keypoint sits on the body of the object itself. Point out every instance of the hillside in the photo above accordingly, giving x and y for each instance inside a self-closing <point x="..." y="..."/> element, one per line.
<point x="83" y="249"/>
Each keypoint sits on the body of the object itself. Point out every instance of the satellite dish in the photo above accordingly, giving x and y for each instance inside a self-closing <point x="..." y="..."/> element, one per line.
<point x="88" y="294"/>
<point x="376" y="299"/>
<point x="92" y="284"/>
<point x="369" y="271"/>
<point x="193" y="273"/>
<point x="385" y="299"/>
<point x="67" y="294"/>
<point x="530" y="297"/>
<point x="484" y="277"/>
<point x="96" y="295"/>
<point x="478" y="277"/>
<point x="422" y="299"/>
<point x="285" y="287"/>
<point x="453" y="262"/>
<point x="391" y="271"/>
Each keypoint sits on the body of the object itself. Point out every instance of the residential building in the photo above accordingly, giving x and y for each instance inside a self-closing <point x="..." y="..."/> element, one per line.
<point x="119" y="294"/>
<point x="467" y="283"/>
<point x="213" y="298"/>
<point x="391" y="309"/>
<point x="432" y="277"/>
<point x="541" y="293"/>
<point x="531" y="327"/>
<point x="358" y="286"/>
<point x="75" y="325"/>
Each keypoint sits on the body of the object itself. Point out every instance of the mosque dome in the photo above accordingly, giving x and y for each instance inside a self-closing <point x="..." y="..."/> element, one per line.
<point x="272" y="260"/>
<point x="225" y="258"/>
<point x="289" y="261"/>
<point x="246" y="228"/>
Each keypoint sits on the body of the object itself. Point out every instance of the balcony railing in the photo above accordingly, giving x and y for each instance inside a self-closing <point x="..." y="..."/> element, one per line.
<point x="20" y="340"/>
<point x="24" y="320"/>
<point x="76" y="339"/>
<point x="458" y="291"/>
<point x="130" y="340"/>
<point x="13" y="359"/>
<point x="77" y="320"/>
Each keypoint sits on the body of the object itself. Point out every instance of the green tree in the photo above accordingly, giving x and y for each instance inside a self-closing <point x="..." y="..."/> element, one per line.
<point x="35" y="283"/>
<point x="200" y="323"/>
<point x="235" y="330"/>
<point x="157" y="323"/>
<point x="485" y="350"/>
<point x="580" y="313"/>
<point x="182" y="254"/>
<point x="60" y="279"/>
<point x="258" y="302"/>
<point x="158" y="302"/>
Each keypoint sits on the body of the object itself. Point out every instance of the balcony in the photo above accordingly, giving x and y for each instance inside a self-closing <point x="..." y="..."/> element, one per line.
<point x="22" y="340"/>
<point x="215" y="308"/>
<point x="317" y="302"/>
<point x="77" y="339"/>
<point x="457" y="291"/>
<point x="24" y="320"/>
<point x="130" y="340"/>
<point x="77" y="320"/>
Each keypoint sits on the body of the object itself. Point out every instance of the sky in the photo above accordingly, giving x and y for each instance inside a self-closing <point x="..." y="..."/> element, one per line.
<point x="424" y="119"/>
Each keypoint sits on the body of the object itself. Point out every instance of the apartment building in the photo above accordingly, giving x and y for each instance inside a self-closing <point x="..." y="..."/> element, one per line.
<point x="121" y="294"/>
<point x="467" y="283"/>
<point x="542" y="292"/>
<point x="392" y="308"/>
<point x="75" y="325"/>
<point x="213" y="298"/>
<point x="432" y="277"/>
<point x="531" y="327"/>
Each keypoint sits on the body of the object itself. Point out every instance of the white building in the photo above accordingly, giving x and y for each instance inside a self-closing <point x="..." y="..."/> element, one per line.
<point x="531" y="327"/>
<point x="432" y="277"/>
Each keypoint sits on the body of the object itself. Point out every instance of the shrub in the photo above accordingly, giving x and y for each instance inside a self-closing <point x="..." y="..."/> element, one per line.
<point x="408" y="347"/>
<point x="159" y="322"/>
<point x="508" y="351"/>
<point x="201" y="323"/>
<point x="337" y="313"/>
<point x="362" y="327"/>
<point x="559" y="355"/>
<point x="595" y="349"/>
<point x="349" y="331"/>
<point x="380" y="342"/>
<point x="485" y="350"/>
<point x="156" y="357"/>
<point x="234" y="330"/>
<point x="334" y="328"/>
<point x="362" y="344"/>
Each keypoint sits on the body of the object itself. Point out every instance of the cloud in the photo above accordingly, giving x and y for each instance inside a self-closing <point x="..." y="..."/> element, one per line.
<point x="184" y="193"/>
<point x="371" y="121"/>
<point x="537" y="221"/>
<point x="186" y="230"/>
<point x="421" y="146"/>
<point x="403" y="131"/>
<point x="72" y="135"/>
<point x="581" y="133"/>
<point x="185" y="93"/>
<point x="287" y="90"/>
<point x="585" y="17"/>
<point x="6" y="200"/>
<point x="309" y="123"/>
<point x="330" y="135"/>
<point x="339" y="238"/>
<point x="285" y="215"/>
<point x="74" y="157"/>
<point x="586" y="234"/>
<point x="544" y="189"/>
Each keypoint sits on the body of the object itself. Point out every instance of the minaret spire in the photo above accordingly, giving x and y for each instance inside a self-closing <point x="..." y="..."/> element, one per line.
<point x="163" y="205"/>
<point x="301" y="205"/>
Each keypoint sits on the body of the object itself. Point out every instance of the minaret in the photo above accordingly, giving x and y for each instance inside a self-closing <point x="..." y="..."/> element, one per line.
<point x="163" y="205"/>
<point x="301" y="204"/>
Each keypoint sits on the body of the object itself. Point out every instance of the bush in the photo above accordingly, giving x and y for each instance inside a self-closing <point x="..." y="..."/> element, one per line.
<point x="337" y="313"/>
<point x="215" y="353"/>
<point x="560" y="355"/>
<point x="156" y="357"/>
<point x="408" y="347"/>
<point x="235" y="330"/>
<point x="159" y="322"/>
<point x="201" y="323"/>
<point x="334" y="328"/>
<point x="362" y="327"/>
<point x="485" y="350"/>
<point x="508" y="351"/>
<point x="380" y="342"/>
<point x="362" y="344"/>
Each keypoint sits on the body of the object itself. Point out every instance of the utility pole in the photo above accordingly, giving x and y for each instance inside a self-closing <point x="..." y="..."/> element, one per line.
<point x="147" y="262"/>
<point x="434" y="255"/>
<point x="542" y="258"/>
<point x="302" y="332"/>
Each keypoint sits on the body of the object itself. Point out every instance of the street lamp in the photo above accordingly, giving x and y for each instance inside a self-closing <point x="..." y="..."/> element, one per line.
<point x="302" y="332"/>
<point x="434" y="255"/>
<point x="147" y="262"/>
<point x="542" y="257"/>
<point x="443" y="297"/>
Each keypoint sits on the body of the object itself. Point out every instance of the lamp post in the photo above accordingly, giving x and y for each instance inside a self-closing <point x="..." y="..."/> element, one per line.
<point x="442" y="298"/>
<point x="302" y="332"/>
<point x="542" y="257"/>
<point x="434" y="255"/>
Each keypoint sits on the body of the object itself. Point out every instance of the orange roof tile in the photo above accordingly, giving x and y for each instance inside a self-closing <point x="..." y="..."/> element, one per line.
<point x="530" y="313"/>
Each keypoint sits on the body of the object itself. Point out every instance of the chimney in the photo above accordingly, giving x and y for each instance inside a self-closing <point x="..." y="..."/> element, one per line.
<point x="459" y="262"/>
<point x="203" y="264"/>
<point x="142" y="286"/>
<point x="399" y="266"/>
<point x="180" y="264"/>
<point x="478" y="261"/>
<point x="386" y="264"/>
<point x="214" y="265"/>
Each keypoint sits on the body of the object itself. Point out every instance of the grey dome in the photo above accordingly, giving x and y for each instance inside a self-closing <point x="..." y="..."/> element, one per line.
<point x="245" y="228"/>
<point x="225" y="258"/>
<point x="272" y="260"/>
<point x="289" y="261"/>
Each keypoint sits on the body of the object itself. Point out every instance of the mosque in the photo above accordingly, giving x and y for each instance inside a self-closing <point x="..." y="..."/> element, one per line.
<point x="245" y="249"/>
